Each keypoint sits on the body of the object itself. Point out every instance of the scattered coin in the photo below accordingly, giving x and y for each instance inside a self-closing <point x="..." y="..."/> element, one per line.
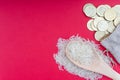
<point x="110" y="14"/>
<point x="117" y="21"/>
<point x="117" y="9"/>
<point x="93" y="27"/>
<point x="89" y="25"/>
<point x="101" y="9"/>
<point x="104" y="19"/>
<point x="88" y="4"/>
<point x="90" y="10"/>
<point x="97" y="19"/>
<point x="99" y="35"/>
<point x="102" y="25"/>
<point x="111" y="27"/>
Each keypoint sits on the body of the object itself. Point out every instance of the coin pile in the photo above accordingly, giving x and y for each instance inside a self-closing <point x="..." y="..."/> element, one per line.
<point x="104" y="19"/>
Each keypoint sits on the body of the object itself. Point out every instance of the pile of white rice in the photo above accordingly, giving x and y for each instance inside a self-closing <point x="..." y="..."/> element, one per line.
<point x="64" y="63"/>
<point x="81" y="52"/>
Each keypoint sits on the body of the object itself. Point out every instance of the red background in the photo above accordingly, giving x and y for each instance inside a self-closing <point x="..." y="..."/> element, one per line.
<point x="29" y="31"/>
